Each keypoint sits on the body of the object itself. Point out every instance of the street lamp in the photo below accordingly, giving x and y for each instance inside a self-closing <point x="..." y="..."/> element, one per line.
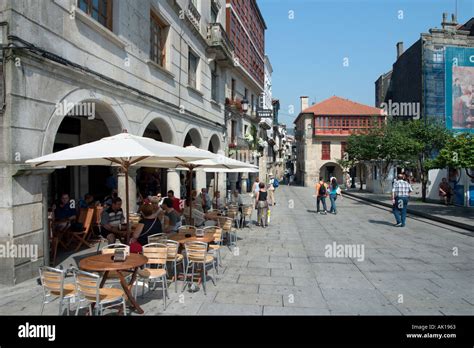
<point x="245" y="105"/>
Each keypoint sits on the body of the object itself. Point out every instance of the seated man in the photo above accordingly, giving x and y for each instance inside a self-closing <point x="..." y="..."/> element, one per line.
<point x="112" y="218"/>
<point x="87" y="201"/>
<point x="217" y="202"/>
<point x="236" y="198"/>
<point x="176" y="202"/>
<point x="200" y="218"/>
<point x="64" y="214"/>
<point x="445" y="191"/>
<point x="108" y="199"/>
<point x="174" y="220"/>
<point x="205" y="200"/>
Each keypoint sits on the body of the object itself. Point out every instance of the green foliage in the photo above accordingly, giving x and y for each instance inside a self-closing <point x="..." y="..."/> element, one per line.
<point x="458" y="152"/>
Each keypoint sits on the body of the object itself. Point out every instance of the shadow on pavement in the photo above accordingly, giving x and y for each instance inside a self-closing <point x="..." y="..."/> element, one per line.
<point x="380" y="222"/>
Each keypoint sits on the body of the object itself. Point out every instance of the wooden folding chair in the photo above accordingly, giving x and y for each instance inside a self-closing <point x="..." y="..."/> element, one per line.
<point x="85" y="218"/>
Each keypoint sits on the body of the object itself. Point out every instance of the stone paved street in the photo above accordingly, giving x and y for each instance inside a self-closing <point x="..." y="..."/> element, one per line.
<point x="282" y="270"/>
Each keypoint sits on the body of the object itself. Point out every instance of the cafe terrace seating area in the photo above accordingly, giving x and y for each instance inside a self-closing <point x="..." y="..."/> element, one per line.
<point x="98" y="278"/>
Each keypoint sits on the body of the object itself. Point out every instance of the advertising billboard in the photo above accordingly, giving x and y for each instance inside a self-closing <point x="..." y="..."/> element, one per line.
<point x="460" y="89"/>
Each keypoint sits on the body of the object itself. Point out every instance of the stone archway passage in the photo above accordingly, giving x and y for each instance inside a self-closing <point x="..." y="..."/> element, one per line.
<point x="77" y="129"/>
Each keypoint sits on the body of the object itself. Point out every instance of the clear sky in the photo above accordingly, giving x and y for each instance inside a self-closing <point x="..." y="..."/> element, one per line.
<point x="308" y="41"/>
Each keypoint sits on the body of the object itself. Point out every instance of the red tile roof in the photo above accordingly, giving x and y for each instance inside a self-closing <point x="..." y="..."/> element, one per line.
<point x="341" y="107"/>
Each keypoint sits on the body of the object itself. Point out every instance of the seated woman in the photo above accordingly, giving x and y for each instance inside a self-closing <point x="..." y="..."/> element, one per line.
<point x="150" y="224"/>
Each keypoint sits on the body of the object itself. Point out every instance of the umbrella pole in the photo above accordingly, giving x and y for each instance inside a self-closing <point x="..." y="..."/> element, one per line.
<point x="190" y="195"/>
<point x="127" y="200"/>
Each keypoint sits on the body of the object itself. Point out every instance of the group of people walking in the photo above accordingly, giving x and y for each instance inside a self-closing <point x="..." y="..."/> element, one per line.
<point x="324" y="190"/>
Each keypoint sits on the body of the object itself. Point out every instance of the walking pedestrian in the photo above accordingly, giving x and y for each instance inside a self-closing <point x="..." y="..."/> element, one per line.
<point x="255" y="189"/>
<point x="321" y="194"/>
<point x="272" y="186"/>
<point x="261" y="205"/>
<point x="334" y="190"/>
<point x="400" y="194"/>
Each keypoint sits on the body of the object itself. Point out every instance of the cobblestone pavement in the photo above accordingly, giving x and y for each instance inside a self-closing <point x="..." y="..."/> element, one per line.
<point x="422" y="269"/>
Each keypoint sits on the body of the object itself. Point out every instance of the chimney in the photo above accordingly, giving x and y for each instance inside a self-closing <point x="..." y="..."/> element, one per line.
<point x="445" y="20"/>
<point x="304" y="103"/>
<point x="399" y="49"/>
<point x="454" y="20"/>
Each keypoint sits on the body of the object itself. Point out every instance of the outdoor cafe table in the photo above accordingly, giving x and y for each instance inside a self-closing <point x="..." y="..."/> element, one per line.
<point x="105" y="263"/>
<point x="182" y="239"/>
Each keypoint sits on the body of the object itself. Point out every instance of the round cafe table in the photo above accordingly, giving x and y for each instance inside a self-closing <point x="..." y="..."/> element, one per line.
<point x="105" y="263"/>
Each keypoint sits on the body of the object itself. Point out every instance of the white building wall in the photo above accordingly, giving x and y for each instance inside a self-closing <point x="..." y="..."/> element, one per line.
<point x="36" y="85"/>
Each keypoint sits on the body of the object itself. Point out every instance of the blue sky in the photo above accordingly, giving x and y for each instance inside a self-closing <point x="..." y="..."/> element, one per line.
<point x="307" y="52"/>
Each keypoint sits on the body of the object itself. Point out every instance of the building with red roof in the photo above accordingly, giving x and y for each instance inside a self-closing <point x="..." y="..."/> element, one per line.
<point x="321" y="132"/>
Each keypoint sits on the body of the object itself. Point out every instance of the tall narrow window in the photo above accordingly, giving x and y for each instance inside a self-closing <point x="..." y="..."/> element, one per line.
<point x="214" y="82"/>
<point x="232" y="90"/>
<point x="214" y="12"/>
<point x="158" y="31"/>
<point x="100" y="10"/>
<point x="326" y="150"/>
<point x="193" y="61"/>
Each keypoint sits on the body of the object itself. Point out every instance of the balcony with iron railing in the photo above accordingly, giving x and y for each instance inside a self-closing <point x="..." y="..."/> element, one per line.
<point x="219" y="42"/>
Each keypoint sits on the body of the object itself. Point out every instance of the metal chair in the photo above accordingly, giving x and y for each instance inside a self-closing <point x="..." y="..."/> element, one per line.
<point x="89" y="292"/>
<point x="52" y="281"/>
<point x="157" y="254"/>
<point x="187" y="229"/>
<point x="226" y="224"/>
<point x="247" y="211"/>
<point x="215" y="249"/>
<point x="196" y="254"/>
<point x="157" y="238"/>
<point x="175" y="259"/>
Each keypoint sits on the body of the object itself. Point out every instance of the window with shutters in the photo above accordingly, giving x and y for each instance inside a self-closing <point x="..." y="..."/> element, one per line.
<point x="326" y="150"/>
<point x="158" y="35"/>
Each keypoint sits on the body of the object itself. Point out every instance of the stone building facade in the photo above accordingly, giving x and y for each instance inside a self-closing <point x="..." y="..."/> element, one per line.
<point x="145" y="66"/>
<point x="321" y="133"/>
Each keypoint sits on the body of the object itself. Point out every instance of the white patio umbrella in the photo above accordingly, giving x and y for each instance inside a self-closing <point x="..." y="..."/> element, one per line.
<point x="216" y="171"/>
<point x="123" y="150"/>
<point x="214" y="162"/>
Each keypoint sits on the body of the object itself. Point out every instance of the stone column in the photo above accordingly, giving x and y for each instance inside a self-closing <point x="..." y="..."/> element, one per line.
<point x="244" y="182"/>
<point x="200" y="180"/>
<point x="132" y="187"/>
<point x="173" y="182"/>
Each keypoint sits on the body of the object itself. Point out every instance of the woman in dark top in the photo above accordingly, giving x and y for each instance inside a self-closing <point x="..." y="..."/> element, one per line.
<point x="261" y="202"/>
<point x="150" y="224"/>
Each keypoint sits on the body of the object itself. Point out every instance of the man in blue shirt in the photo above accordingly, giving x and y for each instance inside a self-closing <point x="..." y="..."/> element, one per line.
<point x="65" y="213"/>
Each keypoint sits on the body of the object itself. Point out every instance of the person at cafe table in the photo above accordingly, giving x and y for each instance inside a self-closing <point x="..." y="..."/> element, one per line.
<point x="112" y="218"/>
<point x="65" y="213"/>
<point x="200" y="218"/>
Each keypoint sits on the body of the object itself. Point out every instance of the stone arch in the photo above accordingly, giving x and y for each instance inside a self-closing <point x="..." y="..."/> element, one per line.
<point x="162" y="124"/>
<point x="325" y="171"/>
<point x="194" y="137"/>
<point x="214" y="144"/>
<point x="109" y="109"/>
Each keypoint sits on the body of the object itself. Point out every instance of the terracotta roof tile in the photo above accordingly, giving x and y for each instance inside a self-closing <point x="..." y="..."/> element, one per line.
<point x="341" y="107"/>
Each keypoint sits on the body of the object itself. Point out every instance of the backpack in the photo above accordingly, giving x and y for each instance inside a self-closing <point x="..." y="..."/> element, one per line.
<point x="275" y="183"/>
<point x="322" y="190"/>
